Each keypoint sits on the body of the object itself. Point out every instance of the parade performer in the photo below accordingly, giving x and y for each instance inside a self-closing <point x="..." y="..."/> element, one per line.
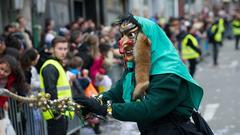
<point x="156" y="89"/>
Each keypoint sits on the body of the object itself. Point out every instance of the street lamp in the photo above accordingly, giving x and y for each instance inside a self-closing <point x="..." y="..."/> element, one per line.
<point x="41" y="6"/>
<point x="18" y="4"/>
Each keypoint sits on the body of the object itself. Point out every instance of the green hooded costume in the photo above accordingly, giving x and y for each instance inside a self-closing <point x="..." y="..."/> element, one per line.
<point x="171" y="89"/>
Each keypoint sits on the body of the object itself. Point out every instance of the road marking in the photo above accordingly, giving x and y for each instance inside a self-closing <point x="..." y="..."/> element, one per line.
<point x="129" y="128"/>
<point x="210" y="111"/>
<point x="234" y="64"/>
<point x="218" y="90"/>
<point x="223" y="131"/>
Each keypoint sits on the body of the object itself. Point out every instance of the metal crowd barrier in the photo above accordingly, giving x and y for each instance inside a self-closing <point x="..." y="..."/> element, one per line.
<point x="28" y="121"/>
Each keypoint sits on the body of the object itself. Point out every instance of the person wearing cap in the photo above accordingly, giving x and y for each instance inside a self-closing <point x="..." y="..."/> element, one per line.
<point x="156" y="89"/>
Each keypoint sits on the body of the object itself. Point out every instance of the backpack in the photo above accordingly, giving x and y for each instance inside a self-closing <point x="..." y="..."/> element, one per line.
<point x="210" y="34"/>
<point x="201" y="124"/>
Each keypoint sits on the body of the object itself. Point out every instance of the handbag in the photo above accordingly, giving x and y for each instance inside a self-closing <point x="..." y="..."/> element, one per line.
<point x="201" y="124"/>
<point x="6" y="127"/>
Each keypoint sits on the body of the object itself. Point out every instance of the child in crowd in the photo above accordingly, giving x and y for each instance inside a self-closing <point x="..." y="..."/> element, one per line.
<point x="11" y="76"/>
<point x="75" y="74"/>
<point x="98" y="70"/>
<point x="75" y="67"/>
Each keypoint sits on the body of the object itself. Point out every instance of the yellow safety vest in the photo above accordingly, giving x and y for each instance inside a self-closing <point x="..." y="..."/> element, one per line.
<point x="63" y="88"/>
<point x="236" y="30"/>
<point x="219" y="33"/>
<point x="221" y="25"/>
<point x="187" y="51"/>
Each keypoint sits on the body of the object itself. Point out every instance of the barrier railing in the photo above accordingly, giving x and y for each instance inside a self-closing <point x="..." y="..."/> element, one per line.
<point x="28" y="121"/>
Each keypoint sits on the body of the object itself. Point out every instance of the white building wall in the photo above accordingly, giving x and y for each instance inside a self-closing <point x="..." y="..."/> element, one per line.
<point x="164" y="8"/>
<point x="140" y="7"/>
<point x="26" y="12"/>
<point x="198" y="6"/>
<point x="157" y="7"/>
<point x="176" y="10"/>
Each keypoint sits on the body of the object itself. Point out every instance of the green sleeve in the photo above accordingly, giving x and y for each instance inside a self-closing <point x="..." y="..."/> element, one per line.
<point x="114" y="94"/>
<point x="163" y="96"/>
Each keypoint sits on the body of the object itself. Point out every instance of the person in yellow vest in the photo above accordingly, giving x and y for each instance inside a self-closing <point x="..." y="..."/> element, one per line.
<point x="221" y="28"/>
<point x="236" y="29"/>
<point x="53" y="80"/>
<point x="190" y="50"/>
<point x="217" y="30"/>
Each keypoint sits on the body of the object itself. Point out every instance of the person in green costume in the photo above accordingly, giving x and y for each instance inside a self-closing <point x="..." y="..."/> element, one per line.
<point x="156" y="89"/>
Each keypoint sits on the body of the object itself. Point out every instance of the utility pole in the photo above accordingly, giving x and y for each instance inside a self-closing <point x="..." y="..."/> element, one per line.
<point x="189" y="6"/>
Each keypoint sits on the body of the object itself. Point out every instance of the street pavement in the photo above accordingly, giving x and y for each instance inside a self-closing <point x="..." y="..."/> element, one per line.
<point x="220" y="105"/>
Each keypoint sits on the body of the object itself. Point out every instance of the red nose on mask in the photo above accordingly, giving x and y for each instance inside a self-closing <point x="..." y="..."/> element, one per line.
<point x="120" y="44"/>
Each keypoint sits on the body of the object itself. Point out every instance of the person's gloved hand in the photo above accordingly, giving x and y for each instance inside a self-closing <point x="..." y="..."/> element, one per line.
<point x="91" y="105"/>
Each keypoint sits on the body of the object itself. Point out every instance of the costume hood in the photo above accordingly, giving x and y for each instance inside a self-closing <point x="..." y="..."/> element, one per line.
<point x="165" y="58"/>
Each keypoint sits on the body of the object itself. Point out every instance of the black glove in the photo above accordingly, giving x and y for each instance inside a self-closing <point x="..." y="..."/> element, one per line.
<point x="91" y="105"/>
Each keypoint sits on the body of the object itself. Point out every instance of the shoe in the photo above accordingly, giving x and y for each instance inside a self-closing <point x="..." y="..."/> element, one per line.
<point x="215" y="64"/>
<point x="96" y="129"/>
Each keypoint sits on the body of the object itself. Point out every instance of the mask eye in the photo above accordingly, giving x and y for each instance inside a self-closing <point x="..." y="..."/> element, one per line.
<point x="120" y="34"/>
<point x="131" y="35"/>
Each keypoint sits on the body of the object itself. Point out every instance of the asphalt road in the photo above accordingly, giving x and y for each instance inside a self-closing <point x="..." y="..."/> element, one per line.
<point x="220" y="106"/>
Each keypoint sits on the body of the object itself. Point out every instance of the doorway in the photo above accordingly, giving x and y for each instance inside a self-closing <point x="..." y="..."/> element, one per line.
<point x="78" y="9"/>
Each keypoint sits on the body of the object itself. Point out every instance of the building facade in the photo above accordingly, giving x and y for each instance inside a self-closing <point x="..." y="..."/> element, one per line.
<point x="100" y="11"/>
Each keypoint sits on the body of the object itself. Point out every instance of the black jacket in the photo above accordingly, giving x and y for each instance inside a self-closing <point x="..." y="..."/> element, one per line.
<point x="50" y="76"/>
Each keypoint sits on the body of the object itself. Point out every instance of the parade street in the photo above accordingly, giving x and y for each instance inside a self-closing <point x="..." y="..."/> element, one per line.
<point x="119" y="67"/>
<point x="220" y="106"/>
